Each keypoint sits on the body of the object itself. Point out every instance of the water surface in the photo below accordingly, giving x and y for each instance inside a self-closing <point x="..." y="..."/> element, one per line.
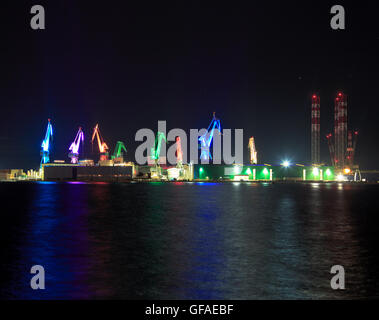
<point x="188" y="240"/>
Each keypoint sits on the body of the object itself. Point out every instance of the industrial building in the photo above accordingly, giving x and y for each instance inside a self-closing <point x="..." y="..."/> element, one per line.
<point x="11" y="174"/>
<point x="72" y="172"/>
<point x="263" y="173"/>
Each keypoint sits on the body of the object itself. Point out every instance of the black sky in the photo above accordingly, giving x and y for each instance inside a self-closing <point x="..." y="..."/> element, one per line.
<point x="128" y="65"/>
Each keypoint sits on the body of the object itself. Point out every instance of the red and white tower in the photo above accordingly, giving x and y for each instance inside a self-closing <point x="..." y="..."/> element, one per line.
<point x="315" y="130"/>
<point x="340" y="130"/>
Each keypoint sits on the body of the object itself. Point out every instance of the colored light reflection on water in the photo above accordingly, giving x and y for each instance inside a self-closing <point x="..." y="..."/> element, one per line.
<point x="187" y="241"/>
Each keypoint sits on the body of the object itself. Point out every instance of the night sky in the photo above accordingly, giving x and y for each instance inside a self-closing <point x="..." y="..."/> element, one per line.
<point x="126" y="66"/>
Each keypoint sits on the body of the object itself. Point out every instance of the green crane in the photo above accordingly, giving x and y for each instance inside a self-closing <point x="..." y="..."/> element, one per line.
<point x="156" y="150"/>
<point x="156" y="172"/>
<point x="118" y="150"/>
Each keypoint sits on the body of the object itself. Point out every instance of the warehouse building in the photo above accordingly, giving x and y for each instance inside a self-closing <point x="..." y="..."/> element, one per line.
<point x="67" y="172"/>
<point x="263" y="173"/>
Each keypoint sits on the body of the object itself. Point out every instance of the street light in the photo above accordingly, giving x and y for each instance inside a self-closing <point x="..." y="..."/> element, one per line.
<point x="286" y="163"/>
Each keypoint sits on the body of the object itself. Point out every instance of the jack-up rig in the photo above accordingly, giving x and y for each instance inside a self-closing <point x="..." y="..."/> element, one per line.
<point x="74" y="148"/>
<point x="206" y="139"/>
<point x="103" y="147"/>
<point x="46" y="143"/>
<point x="342" y="150"/>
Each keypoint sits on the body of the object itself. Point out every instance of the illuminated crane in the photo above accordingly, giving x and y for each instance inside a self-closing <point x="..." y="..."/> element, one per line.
<point x="206" y="138"/>
<point x="179" y="153"/>
<point x="45" y="151"/>
<point x="103" y="148"/>
<point x="156" y="150"/>
<point x="253" y="151"/>
<point x="118" y="153"/>
<point x="74" y="148"/>
<point x="156" y="172"/>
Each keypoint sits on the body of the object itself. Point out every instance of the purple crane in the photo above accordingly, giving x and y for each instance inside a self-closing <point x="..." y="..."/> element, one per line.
<point x="74" y="148"/>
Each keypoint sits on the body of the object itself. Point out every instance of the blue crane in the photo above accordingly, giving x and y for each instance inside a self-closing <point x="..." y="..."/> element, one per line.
<point x="46" y="143"/>
<point x="206" y="138"/>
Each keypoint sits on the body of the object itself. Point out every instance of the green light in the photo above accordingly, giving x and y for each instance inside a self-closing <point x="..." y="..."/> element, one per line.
<point x="265" y="171"/>
<point x="328" y="172"/>
<point x="248" y="171"/>
<point x="315" y="171"/>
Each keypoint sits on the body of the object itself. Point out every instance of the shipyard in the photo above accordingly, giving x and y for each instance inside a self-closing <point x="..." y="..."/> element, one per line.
<point x="159" y="153"/>
<point x="114" y="167"/>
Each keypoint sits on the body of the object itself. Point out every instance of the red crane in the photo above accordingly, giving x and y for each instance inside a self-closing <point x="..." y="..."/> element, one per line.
<point x="103" y="147"/>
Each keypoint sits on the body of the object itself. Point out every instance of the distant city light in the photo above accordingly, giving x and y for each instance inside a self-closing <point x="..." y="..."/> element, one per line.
<point x="248" y="171"/>
<point x="201" y="170"/>
<point x="346" y="170"/>
<point x="315" y="171"/>
<point x="340" y="177"/>
<point x="328" y="172"/>
<point x="265" y="171"/>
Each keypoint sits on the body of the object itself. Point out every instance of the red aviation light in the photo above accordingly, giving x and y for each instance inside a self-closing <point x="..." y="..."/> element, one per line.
<point x="340" y="94"/>
<point x="314" y="96"/>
